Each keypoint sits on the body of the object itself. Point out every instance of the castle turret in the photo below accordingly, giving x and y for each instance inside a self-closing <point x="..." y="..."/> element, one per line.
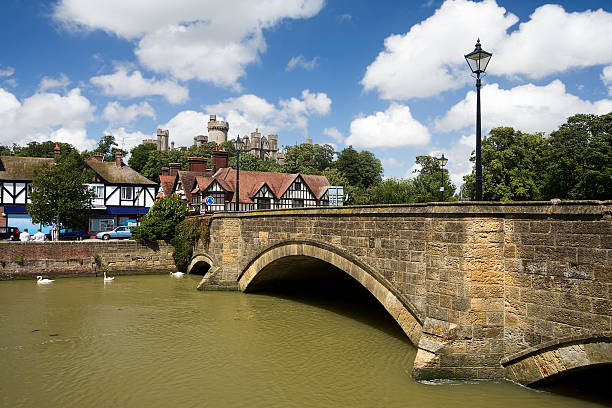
<point x="217" y="130"/>
<point x="199" y="140"/>
<point x="273" y="142"/>
<point x="162" y="139"/>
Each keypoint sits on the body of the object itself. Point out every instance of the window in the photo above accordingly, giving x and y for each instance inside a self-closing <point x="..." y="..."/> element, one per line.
<point x="101" y="224"/>
<point x="126" y="193"/>
<point x="219" y="198"/>
<point x="298" y="185"/>
<point x="298" y="203"/>
<point x="263" y="203"/>
<point x="98" y="191"/>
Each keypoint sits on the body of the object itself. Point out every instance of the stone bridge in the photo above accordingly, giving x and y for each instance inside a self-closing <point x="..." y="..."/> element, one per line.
<point x="521" y="291"/>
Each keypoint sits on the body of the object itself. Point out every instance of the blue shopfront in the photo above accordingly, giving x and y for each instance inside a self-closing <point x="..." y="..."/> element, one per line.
<point x="17" y="216"/>
<point x="111" y="217"/>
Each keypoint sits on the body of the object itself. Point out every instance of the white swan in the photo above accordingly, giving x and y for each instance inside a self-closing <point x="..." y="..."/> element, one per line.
<point x="177" y="274"/>
<point x="41" y="281"/>
<point x="108" y="279"/>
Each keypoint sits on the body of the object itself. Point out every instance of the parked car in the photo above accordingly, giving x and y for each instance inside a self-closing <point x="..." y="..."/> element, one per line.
<point x="119" y="233"/>
<point x="6" y="232"/>
<point x="68" y="234"/>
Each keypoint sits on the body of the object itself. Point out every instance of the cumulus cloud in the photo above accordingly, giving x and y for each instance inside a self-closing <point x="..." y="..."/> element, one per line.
<point x="186" y="125"/>
<point x="206" y="40"/>
<point x="392" y="162"/>
<point x="301" y="62"/>
<point x="392" y="128"/>
<point x="126" y="139"/>
<point x="45" y="116"/>
<point x="115" y="113"/>
<point x="529" y="108"/>
<point x="606" y="77"/>
<point x="53" y="83"/>
<point x="431" y="63"/>
<point x="334" y="134"/>
<point x="7" y="72"/>
<point x="134" y="85"/>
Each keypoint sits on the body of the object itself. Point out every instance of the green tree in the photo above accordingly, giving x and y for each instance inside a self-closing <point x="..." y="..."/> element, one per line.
<point x="59" y="195"/>
<point x="429" y="180"/>
<point x="153" y="166"/>
<point x="389" y="191"/>
<point x="5" y="151"/>
<point x="139" y="155"/>
<point x="361" y="169"/>
<point x="254" y="163"/>
<point x="161" y="220"/>
<point x="107" y="146"/>
<point x="579" y="160"/>
<point x="513" y="166"/>
<point x="42" y="149"/>
<point x="308" y="158"/>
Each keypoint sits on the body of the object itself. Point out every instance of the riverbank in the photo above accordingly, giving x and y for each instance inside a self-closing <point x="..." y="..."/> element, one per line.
<point x="25" y="260"/>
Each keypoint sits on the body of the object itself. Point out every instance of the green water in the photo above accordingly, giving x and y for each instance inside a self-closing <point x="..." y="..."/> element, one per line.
<point x="154" y="341"/>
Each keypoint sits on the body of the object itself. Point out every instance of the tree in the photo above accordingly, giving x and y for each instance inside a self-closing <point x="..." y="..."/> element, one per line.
<point x="139" y="155"/>
<point x="153" y="166"/>
<point x="107" y="145"/>
<point x="389" y="191"/>
<point x="254" y="163"/>
<point x="427" y="184"/>
<point x="513" y="166"/>
<point x="42" y="149"/>
<point x="59" y="195"/>
<point x="161" y="220"/>
<point x="308" y="158"/>
<point x="579" y="160"/>
<point x="361" y="169"/>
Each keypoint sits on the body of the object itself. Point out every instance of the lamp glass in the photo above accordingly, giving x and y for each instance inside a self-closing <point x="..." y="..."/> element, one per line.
<point x="478" y="60"/>
<point x="238" y="143"/>
<point x="443" y="161"/>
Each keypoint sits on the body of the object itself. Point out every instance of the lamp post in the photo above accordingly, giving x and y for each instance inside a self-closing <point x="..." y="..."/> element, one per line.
<point x="478" y="61"/>
<point x="443" y="160"/>
<point x="238" y="145"/>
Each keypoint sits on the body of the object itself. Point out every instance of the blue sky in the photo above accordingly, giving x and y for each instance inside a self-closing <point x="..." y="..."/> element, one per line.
<point x="387" y="76"/>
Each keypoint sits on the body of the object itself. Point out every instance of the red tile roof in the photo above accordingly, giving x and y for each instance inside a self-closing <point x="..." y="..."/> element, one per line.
<point x="167" y="184"/>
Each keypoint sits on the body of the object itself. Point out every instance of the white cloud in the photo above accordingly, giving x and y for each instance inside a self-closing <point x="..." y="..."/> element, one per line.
<point x="425" y="61"/>
<point x="115" y="113"/>
<point x="185" y="126"/>
<point x="45" y="116"/>
<point x="53" y="83"/>
<point x="606" y="77"/>
<point x="392" y="162"/>
<point x="9" y="71"/>
<point x="528" y="108"/>
<point x="126" y="139"/>
<point x="207" y="40"/>
<point x="301" y="62"/>
<point x="392" y="128"/>
<point x="133" y="85"/>
<point x="334" y="134"/>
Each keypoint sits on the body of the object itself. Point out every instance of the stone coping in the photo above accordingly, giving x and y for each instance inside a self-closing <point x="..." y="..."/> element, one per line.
<point x="85" y="241"/>
<point x="554" y="208"/>
<point x="605" y="336"/>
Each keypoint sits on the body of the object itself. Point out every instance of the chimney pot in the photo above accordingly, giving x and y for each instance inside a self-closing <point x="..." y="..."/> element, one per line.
<point x="118" y="158"/>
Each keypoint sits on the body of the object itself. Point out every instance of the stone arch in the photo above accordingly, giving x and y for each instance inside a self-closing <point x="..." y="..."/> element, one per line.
<point x="406" y="315"/>
<point x="198" y="261"/>
<point x="558" y="357"/>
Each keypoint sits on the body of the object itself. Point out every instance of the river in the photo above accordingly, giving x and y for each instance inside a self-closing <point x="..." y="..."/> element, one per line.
<point x="154" y="341"/>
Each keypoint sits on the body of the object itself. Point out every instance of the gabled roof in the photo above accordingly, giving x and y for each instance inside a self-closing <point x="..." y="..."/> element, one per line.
<point x="14" y="168"/>
<point x="118" y="175"/>
<point x="252" y="181"/>
<point x="188" y="180"/>
<point x="167" y="184"/>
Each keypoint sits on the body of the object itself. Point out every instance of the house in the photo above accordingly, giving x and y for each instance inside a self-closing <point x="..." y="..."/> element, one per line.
<point x="122" y="195"/>
<point x="16" y="175"/>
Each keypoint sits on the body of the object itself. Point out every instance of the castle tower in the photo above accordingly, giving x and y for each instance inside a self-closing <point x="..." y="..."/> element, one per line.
<point x="199" y="140"/>
<point x="273" y="142"/>
<point x="217" y="130"/>
<point x="162" y="139"/>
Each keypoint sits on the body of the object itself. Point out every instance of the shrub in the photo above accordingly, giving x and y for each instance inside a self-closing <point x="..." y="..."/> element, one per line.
<point x="188" y="233"/>
<point x="161" y="221"/>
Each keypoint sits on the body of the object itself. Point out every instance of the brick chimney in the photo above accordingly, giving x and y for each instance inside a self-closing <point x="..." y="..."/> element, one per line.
<point x="165" y="171"/>
<point x="219" y="159"/>
<point x="174" y="168"/>
<point x="56" y="151"/>
<point x="97" y="156"/>
<point x="118" y="158"/>
<point x="197" y="164"/>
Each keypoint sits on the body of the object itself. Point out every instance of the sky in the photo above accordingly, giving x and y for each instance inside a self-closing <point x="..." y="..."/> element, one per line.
<point x="386" y="76"/>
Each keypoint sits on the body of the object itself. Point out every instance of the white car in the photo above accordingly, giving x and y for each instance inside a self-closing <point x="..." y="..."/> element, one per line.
<point x="119" y="233"/>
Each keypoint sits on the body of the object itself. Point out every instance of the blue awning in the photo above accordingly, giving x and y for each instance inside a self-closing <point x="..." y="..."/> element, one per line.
<point x="15" y="209"/>
<point x="127" y="210"/>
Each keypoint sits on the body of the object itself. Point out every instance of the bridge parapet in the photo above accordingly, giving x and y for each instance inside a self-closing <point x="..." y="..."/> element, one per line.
<point x="488" y="280"/>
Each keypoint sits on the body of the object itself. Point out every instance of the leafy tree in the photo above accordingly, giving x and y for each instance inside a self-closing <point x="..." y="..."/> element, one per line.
<point x="42" y="149"/>
<point x="161" y="220"/>
<point x="139" y="155"/>
<point x="107" y="145"/>
<point x="361" y="169"/>
<point x="59" y="195"/>
<point x="153" y="166"/>
<point x="203" y="150"/>
<point x="254" y="163"/>
<point x="427" y="183"/>
<point x="389" y="191"/>
<point x="308" y="158"/>
<point x="513" y="166"/>
<point x="5" y="151"/>
<point x="579" y="161"/>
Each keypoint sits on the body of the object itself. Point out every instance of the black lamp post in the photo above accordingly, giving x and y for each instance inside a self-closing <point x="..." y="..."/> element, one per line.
<point x="238" y="145"/>
<point x="443" y="160"/>
<point x="478" y="61"/>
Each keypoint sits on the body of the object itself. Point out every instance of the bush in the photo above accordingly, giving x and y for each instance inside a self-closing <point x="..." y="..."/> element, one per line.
<point x="188" y="233"/>
<point x="161" y="221"/>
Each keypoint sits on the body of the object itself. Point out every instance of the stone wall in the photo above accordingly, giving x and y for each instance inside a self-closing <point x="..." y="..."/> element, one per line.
<point x="488" y="280"/>
<point x="25" y="260"/>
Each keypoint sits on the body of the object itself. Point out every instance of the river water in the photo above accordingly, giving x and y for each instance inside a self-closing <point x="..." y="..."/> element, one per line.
<point x="154" y="341"/>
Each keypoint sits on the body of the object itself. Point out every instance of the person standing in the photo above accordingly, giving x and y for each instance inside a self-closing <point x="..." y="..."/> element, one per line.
<point x="39" y="236"/>
<point x="24" y="236"/>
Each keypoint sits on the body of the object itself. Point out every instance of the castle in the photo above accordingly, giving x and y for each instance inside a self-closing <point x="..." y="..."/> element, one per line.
<point x="257" y="145"/>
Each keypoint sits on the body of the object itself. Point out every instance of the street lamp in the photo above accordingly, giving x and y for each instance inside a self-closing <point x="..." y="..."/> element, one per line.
<point x="478" y="61"/>
<point x="238" y="146"/>
<point x="443" y="160"/>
